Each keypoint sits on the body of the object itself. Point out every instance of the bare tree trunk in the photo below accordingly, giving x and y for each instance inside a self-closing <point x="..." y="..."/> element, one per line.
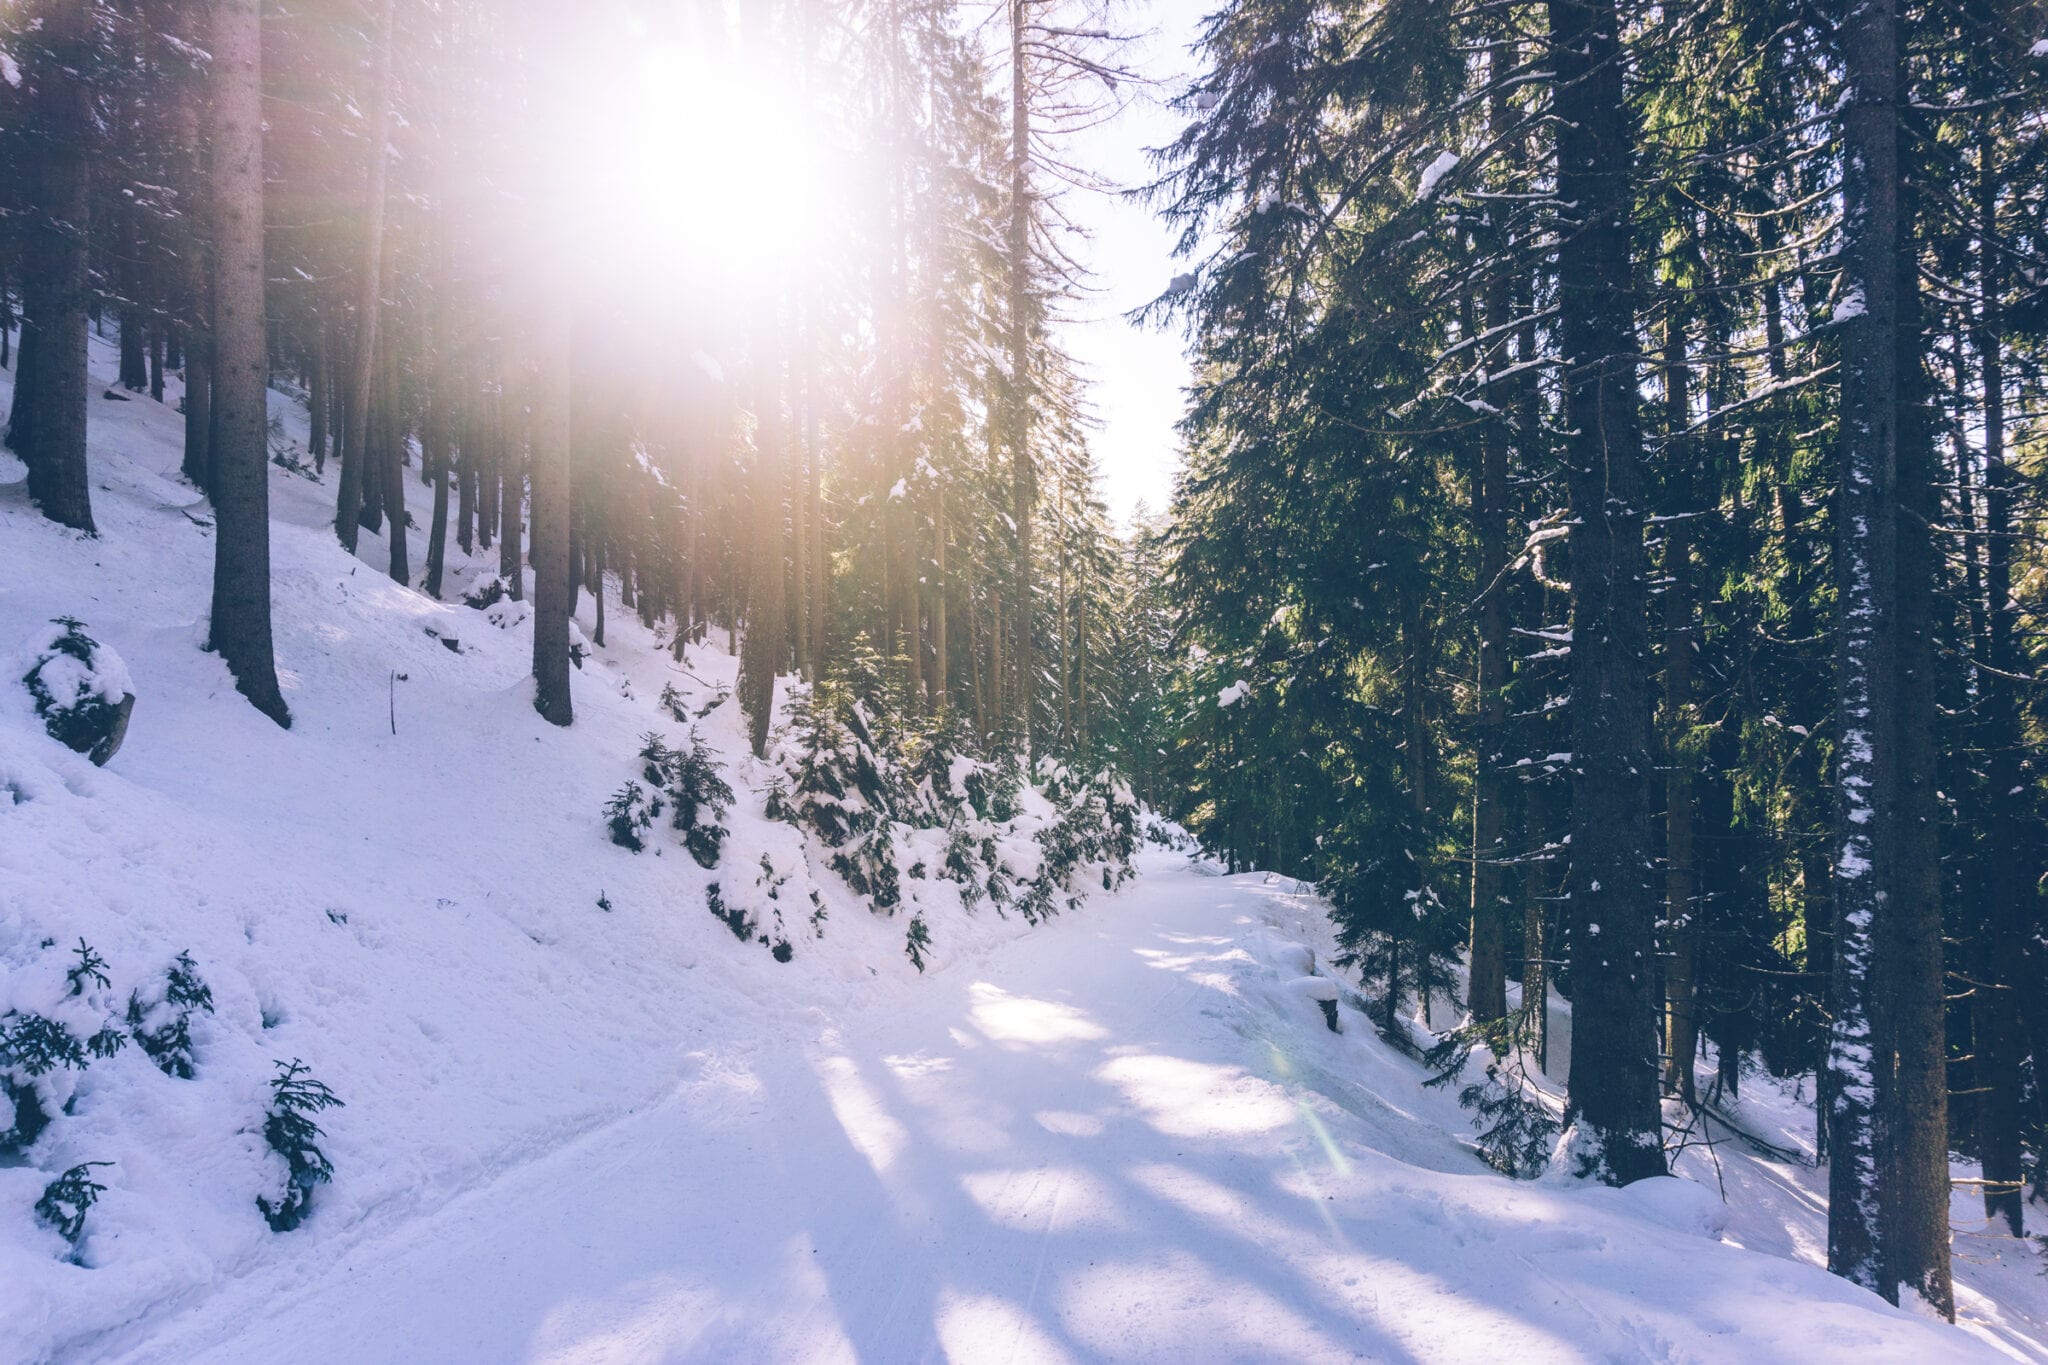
<point x="514" y="456"/>
<point x="762" y="655"/>
<point x="1866" y="523"/>
<point x="1613" y="1083"/>
<point x="549" y="456"/>
<point x="393" y="451"/>
<point x="1681" y="869"/>
<point x="369" y="290"/>
<point x="240" y="629"/>
<point x="1917" y="1200"/>
<point x="55" y="283"/>
<point x="1018" y="389"/>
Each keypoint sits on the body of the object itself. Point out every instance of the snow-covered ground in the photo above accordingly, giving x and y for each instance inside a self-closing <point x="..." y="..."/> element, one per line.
<point x="580" y="1134"/>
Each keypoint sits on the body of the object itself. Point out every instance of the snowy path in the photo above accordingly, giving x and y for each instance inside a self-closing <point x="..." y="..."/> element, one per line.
<point x="1121" y="1136"/>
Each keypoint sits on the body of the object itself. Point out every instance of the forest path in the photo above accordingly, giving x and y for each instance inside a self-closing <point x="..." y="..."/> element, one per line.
<point x="1126" y="1135"/>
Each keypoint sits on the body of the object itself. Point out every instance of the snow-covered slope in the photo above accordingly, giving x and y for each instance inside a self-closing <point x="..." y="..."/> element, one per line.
<point x="1129" y="1136"/>
<point x="580" y="1133"/>
<point x="402" y="890"/>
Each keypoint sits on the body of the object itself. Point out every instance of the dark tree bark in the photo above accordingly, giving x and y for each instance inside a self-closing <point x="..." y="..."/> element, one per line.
<point x="1613" y="1084"/>
<point x="369" y="289"/>
<point x="240" y="629"/>
<point x="1914" y="977"/>
<point x="48" y="430"/>
<point x="762" y="654"/>
<point x="1017" y="391"/>
<point x="392" y="450"/>
<point x="1999" y="1043"/>
<point x="1682" y="900"/>
<point x="317" y="399"/>
<point x="1866" y="523"/>
<point x="549" y="456"/>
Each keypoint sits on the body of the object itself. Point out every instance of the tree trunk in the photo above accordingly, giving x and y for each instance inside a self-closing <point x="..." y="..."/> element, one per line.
<point x="240" y="629"/>
<point x="392" y="450"/>
<point x="762" y="655"/>
<point x="317" y="398"/>
<point x="1860" y="1049"/>
<point x="369" y="289"/>
<point x="1018" y="389"/>
<point x="1681" y="868"/>
<point x="1917" y="1200"/>
<point x="1613" y="1083"/>
<point x="2008" y="870"/>
<point x="55" y="282"/>
<point x="1487" y="988"/>
<point x="514" y="457"/>
<point x="549" y="457"/>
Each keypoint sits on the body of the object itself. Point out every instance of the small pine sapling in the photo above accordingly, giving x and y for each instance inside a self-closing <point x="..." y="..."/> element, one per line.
<point x="289" y="1129"/>
<point x="66" y="1200"/>
<point x="673" y="703"/>
<point x="164" y="1030"/>
<point x="90" y="967"/>
<point x="918" y="941"/>
<point x="81" y="692"/>
<point x="629" y="814"/>
<point x="698" y="794"/>
<point x="183" y="989"/>
<point x="38" y="1045"/>
<point x="735" y="918"/>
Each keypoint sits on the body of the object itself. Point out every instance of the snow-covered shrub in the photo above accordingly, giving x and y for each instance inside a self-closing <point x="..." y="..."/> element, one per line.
<point x="38" y="1045"/>
<point x="755" y="911"/>
<point x="836" y="788"/>
<point x="163" y="1027"/>
<point x="289" y="1129"/>
<point x="868" y="865"/>
<point x="1097" y="828"/>
<point x="89" y="967"/>
<point x="697" y="794"/>
<point x="81" y="690"/>
<point x="31" y="1047"/>
<point x="486" y="592"/>
<point x="66" y="1200"/>
<point x="629" y="814"/>
<point x="917" y="942"/>
<point x="736" y="918"/>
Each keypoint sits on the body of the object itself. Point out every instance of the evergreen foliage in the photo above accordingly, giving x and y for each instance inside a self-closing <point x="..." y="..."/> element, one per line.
<point x="289" y="1129"/>
<point x="163" y="1028"/>
<point x="1517" y="1133"/>
<point x="66" y="1200"/>
<point x="90" y="967"/>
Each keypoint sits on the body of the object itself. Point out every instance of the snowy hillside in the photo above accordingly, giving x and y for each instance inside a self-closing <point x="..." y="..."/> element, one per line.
<point x="583" y="1120"/>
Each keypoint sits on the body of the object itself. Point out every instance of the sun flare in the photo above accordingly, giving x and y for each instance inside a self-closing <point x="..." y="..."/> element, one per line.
<point x="691" y="170"/>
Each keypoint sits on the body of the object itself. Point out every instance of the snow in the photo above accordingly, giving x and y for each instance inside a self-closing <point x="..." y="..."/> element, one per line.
<point x="2039" y="49"/>
<point x="1433" y="174"/>
<point x="1233" y="694"/>
<point x="1851" y="306"/>
<point x="573" y="1134"/>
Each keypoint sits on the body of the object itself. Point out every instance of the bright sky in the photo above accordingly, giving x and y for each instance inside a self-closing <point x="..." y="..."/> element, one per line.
<point x="1138" y="372"/>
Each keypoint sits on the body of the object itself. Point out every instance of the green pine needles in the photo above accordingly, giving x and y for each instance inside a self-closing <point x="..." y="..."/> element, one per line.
<point x="291" y="1132"/>
<point x="66" y="1200"/>
<point x="688" y="782"/>
<point x="163" y="1029"/>
<point x="90" y="967"/>
<point x="1517" y="1133"/>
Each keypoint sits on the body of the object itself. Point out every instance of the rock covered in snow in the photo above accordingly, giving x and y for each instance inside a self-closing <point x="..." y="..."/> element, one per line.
<point x="80" y="688"/>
